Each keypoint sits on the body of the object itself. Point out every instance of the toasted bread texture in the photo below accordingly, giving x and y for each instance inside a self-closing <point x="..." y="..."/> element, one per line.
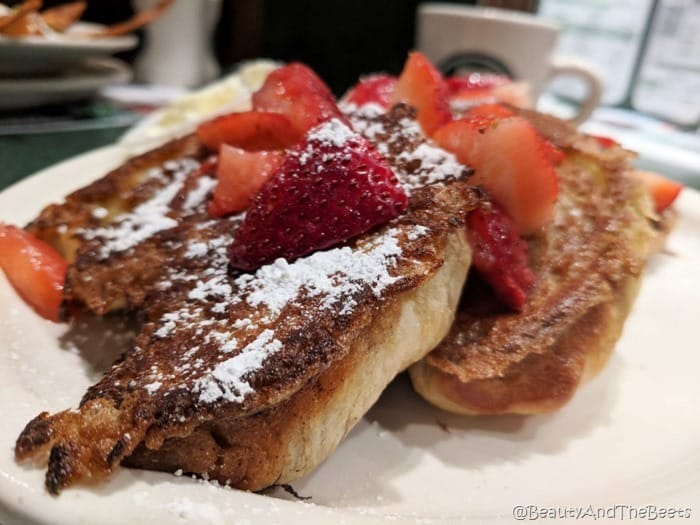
<point x="588" y="262"/>
<point x="252" y="379"/>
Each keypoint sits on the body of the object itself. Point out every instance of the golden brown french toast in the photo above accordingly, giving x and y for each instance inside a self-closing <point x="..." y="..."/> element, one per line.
<point x="252" y="379"/>
<point x="108" y="231"/>
<point x="588" y="263"/>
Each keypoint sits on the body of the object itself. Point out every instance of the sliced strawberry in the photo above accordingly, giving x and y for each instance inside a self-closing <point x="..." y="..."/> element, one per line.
<point x="330" y="188"/>
<point x="35" y="270"/>
<point x="494" y="111"/>
<point x="500" y="255"/>
<point x="474" y="88"/>
<point x="422" y="86"/>
<point x="299" y="94"/>
<point x="605" y="142"/>
<point x="474" y="82"/>
<point x="554" y="155"/>
<point x="663" y="191"/>
<point x="241" y="174"/>
<point x="486" y="114"/>
<point x="508" y="158"/>
<point x="249" y="130"/>
<point x="376" y="89"/>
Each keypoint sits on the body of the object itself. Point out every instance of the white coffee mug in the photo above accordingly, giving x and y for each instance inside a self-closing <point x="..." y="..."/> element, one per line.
<point x="519" y="45"/>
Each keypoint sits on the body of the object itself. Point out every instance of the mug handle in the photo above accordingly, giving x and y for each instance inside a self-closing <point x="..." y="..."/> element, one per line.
<point x="572" y="66"/>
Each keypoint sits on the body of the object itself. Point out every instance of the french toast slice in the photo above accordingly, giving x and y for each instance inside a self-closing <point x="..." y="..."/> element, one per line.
<point x="109" y="230"/>
<point x="588" y="262"/>
<point x="253" y="379"/>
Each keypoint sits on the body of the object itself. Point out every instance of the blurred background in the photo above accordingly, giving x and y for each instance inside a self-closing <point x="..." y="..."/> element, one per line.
<point x="647" y="52"/>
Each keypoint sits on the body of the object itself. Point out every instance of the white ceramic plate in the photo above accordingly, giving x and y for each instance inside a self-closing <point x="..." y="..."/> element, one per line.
<point x="74" y="84"/>
<point x="36" y="55"/>
<point x="628" y="438"/>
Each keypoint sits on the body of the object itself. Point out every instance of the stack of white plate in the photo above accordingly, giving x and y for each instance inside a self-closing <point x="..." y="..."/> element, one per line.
<point x="40" y="70"/>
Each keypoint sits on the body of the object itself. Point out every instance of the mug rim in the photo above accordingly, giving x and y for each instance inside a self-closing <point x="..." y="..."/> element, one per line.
<point x="487" y="13"/>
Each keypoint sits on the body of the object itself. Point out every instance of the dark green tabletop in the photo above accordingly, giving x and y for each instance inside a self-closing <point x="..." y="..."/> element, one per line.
<point x="24" y="154"/>
<point x="35" y="139"/>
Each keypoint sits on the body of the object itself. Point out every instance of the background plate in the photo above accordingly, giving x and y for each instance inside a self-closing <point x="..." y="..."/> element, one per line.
<point x="37" y="55"/>
<point x="628" y="438"/>
<point x="74" y="84"/>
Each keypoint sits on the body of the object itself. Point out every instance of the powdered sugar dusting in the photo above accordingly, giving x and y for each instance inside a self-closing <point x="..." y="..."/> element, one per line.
<point x="227" y="380"/>
<point x="332" y="273"/>
<point x="204" y="187"/>
<point x="227" y="324"/>
<point x="149" y="217"/>
<point x="335" y="277"/>
<point x="334" y="133"/>
<point x="416" y="161"/>
<point x="436" y="165"/>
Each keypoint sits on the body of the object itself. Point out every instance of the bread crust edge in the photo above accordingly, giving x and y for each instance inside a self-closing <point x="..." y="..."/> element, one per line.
<point x="289" y="440"/>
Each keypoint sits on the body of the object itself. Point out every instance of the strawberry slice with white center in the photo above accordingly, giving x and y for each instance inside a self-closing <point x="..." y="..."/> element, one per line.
<point x="422" y="86"/>
<point x="510" y="161"/>
<point x="331" y="188"/>
<point x="249" y="130"/>
<point x="35" y="270"/>
<point x="241" y="174"/>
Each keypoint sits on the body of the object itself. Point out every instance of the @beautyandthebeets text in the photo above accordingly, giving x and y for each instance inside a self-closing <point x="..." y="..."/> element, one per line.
<point x="592" y="512"/>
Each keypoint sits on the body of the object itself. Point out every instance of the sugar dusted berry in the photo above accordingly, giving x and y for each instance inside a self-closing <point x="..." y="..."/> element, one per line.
<point x="332" y="187"/>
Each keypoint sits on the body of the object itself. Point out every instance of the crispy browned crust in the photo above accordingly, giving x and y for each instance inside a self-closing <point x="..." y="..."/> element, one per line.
<point x="118" y="191"/>
<point x="331" y="363"/>
<point x="315" y="341"/>
<point x="588" y="264"/>
<point x="287" y="440"/>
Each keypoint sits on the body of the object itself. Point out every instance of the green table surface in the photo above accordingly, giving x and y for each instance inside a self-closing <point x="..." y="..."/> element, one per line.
<point x="24" y="154"/>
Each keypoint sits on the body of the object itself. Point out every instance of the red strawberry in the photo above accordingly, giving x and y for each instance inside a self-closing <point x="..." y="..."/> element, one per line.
<point x="509" y="161"/>
<point x="605" y="142"/>
<point x="422" y="86"/>
<point x="663" y="191"/>
<point x="330" y="188"/>
<point x="35" y="270"/>
<point x="474" y="82"/>
<point x="296" y="92"/>
<point x="486" y="114"/>
<point x="554" y="155"/>
<point x="493" y="111"/>
<point x="500" y="255"/>
<point x="250" y="130"/>
<point x="241" y="174"/>
<point x="377" y="89"/>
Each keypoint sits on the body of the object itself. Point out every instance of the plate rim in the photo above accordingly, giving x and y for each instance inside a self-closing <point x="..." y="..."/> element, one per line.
<point x="107" y="44"/>
<point x="298" y="511"/>
<point x="96" y="72"/>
